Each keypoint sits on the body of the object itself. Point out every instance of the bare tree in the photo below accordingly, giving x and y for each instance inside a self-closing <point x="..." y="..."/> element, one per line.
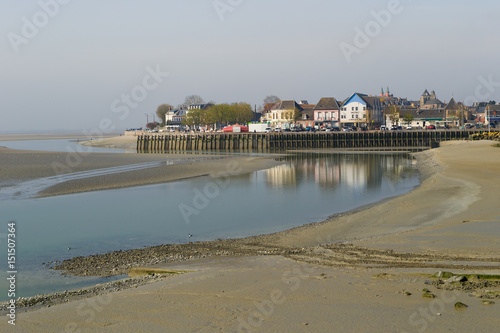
<point x="193" y="99"/>
<point x="271" y="99"/>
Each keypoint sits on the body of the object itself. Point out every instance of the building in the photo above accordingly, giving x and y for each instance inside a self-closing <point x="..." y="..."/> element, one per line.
<point x="430" y="101"/>
<point x="283" y="113"/>
<point x="361" y="110"/>
<point x="326" y="112"/>
<point x="492" y="117"/>
<point x="306" y="118"/>
<point x="417" y="118"/>
<point x="173" y="118"/>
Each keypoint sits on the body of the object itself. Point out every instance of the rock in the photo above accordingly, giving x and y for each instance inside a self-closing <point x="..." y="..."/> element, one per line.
<point x="460" y="305"/>
<point x="458" y="278"/>
<point x="428" y="295"/>
<point x="443" y="275"/>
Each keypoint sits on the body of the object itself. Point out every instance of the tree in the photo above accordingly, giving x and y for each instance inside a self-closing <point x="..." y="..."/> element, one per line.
<point x="408" y="118"/>
<point x="152" y="125"/>
<point x="162" y="110"/>
<point x="218" y="114"/>
<point x="393" y="113"/>
<point x="193" y="99"/>
<point x="195" y="117"/>
<point x="240" y="113"/>
<point x="271" y="99"/>
<point x="296" y="114"/>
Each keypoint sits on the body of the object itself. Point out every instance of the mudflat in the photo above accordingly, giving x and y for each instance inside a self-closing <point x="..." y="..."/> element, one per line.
<point x="362" y="271"/>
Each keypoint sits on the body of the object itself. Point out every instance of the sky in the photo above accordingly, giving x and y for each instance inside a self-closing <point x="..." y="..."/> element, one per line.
<point x="102" y="65"/>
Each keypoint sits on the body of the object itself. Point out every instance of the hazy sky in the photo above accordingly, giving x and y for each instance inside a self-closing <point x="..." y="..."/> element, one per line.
<point x="85" y="65"/>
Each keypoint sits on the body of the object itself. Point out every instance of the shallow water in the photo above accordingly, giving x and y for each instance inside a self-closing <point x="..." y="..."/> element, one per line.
<point x="307" y="188"/>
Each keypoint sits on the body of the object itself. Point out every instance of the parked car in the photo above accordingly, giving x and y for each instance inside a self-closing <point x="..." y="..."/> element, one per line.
<point x="409" y="128"/>
<point x="430" y="127"/>
<point x="363" y="129"/>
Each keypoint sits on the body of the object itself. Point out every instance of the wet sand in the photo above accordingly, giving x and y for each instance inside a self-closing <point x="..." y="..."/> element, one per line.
<point x="19" y="165"/>
<point x="320" y="277"/>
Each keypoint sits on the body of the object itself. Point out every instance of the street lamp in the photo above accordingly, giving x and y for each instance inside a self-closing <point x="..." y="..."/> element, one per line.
<point x="147" y="118"/>
<point x="487" y="110"/>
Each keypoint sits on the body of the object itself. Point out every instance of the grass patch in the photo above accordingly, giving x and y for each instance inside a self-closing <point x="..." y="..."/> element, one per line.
<point x="138" y="271"/>
<point x="496" y="145"/>
<point x="460" y="305"/>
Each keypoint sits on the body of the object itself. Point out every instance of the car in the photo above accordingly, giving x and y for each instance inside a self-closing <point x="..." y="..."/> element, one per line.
<point x="336" y="129"/>
<point x="268" y="130"/>
<point x="364" y="129"/>
<point x="430" y="127"/>
<point x="384" y="128"/>
<point x="409" y="128"/>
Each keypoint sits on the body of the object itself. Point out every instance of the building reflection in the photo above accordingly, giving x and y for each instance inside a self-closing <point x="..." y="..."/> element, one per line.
<point x="354" y="171"/>
<point x="284" y="175"/>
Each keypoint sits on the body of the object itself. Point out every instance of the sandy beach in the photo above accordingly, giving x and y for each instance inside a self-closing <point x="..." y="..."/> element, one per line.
<point x="361" y="271"/>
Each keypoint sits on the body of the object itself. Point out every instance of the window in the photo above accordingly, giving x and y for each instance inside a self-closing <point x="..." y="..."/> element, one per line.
<point x="356" y="108"/>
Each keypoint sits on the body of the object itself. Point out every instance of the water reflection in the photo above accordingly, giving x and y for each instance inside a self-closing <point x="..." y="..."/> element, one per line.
<point x="355" y="171"/>
<point x="306" y="188"/>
